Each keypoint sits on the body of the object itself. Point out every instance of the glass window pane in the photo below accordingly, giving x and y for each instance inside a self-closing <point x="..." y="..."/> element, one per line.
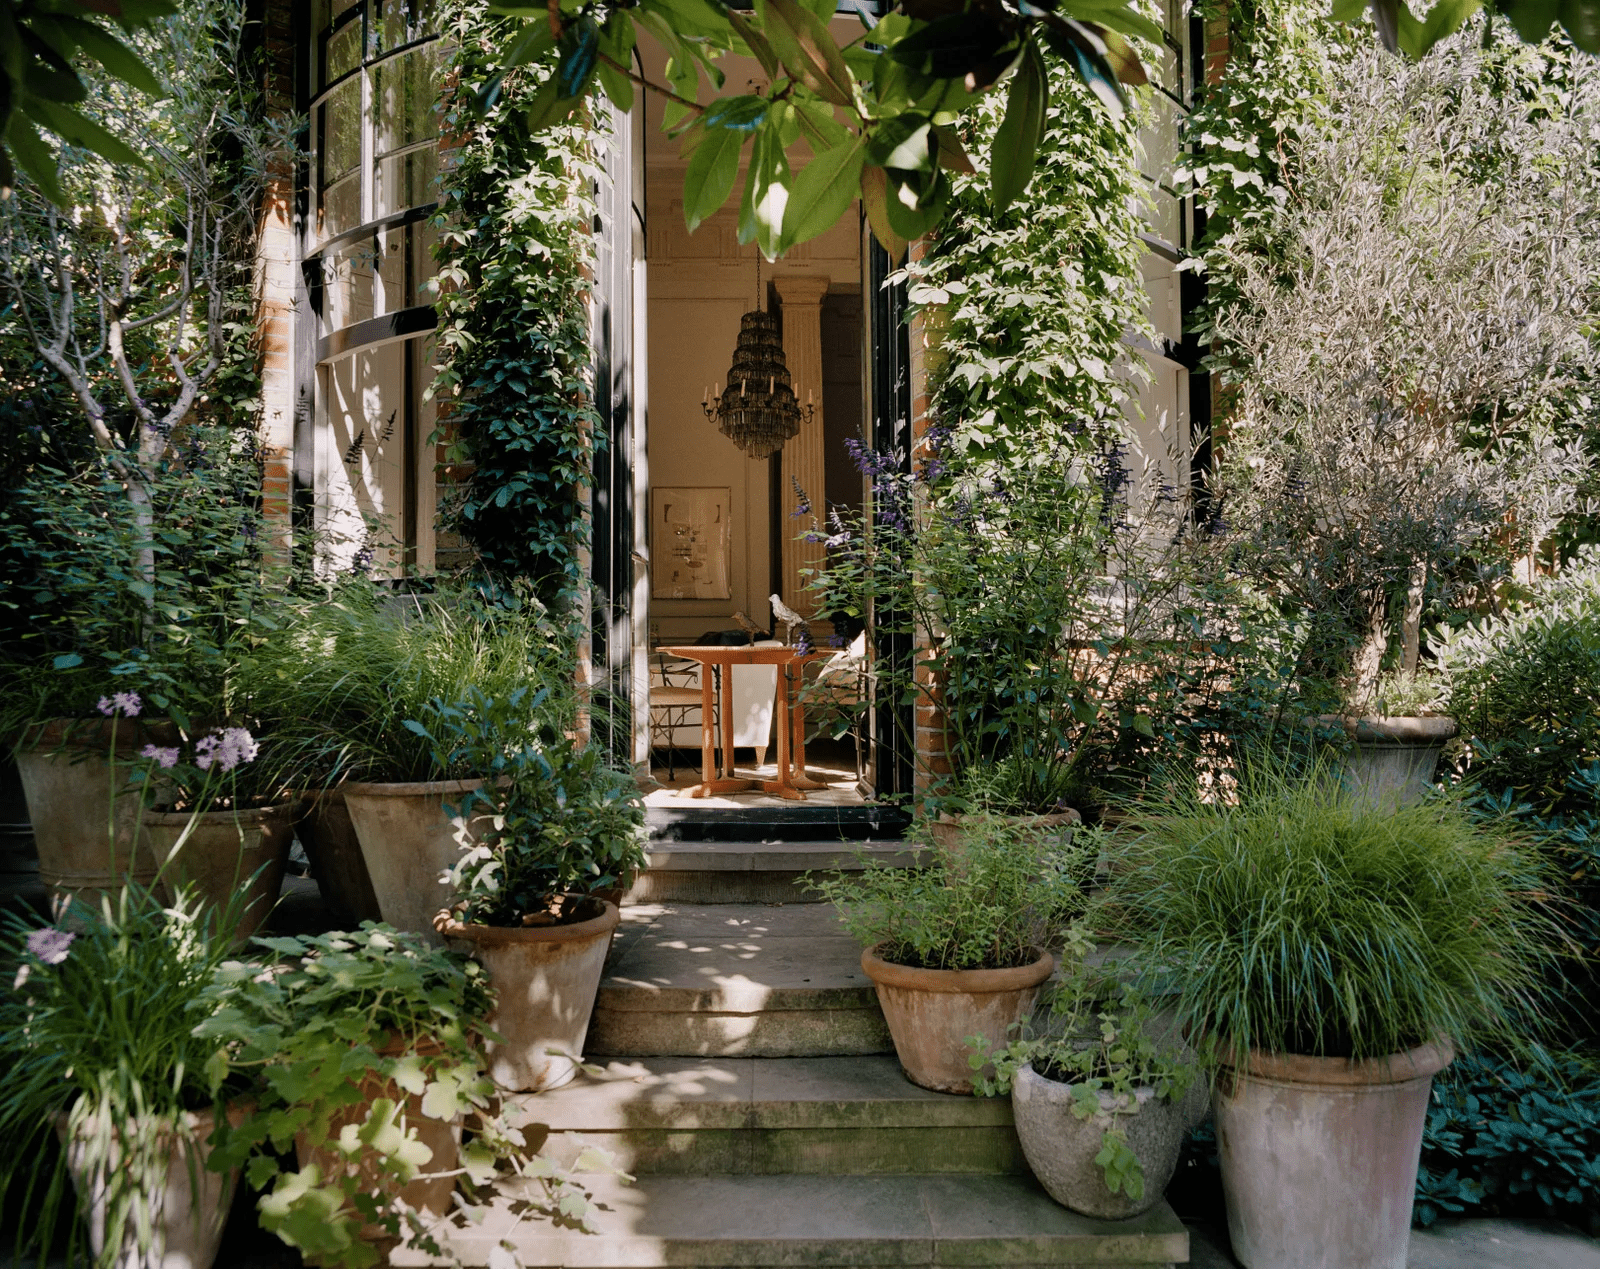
<point x="342" y="53"/>
<point x="404" y="99"/>
<point x="347" y="290"/>
<point x="366" y="436"/>
<point x="402" y="21"/>
<point x="396" y="289"/>
<point x="341" y="207"/>
<point x="424" y="269"/>
<point x="405" y="180"/>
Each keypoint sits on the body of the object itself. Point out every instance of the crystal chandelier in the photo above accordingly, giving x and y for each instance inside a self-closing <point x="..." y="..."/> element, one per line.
<point x="758" y="411"/>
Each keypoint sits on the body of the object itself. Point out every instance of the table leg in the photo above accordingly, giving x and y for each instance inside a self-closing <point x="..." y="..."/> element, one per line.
<point x="708" y="773"/>
<point x="800" y="779"/>
<point x="725" y="686"/>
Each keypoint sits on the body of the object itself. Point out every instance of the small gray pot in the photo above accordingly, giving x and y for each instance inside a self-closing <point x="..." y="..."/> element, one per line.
<point x="1060" y="1147"/>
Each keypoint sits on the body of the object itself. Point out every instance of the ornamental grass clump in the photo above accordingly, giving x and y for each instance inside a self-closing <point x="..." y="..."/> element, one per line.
<point x="1300" y="918"/>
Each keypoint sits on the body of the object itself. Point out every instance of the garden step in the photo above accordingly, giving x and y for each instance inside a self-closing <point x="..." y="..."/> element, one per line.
<point x="735" y="980"/>
<point x="799" y="822"/>
<point x="764" y="1116"/>
<point x="914" y="1222"/>
<point x="752" y="872"/>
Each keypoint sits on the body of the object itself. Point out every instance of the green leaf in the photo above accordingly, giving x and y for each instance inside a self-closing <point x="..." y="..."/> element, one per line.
<point x="806" y="50"/>
<point x="757" y="43"/>
<point x="71" y="126"/>
<point x="766" y="191"/>
<point x="1445" y="19"/>
<point x="35" y="158"/>
<point x="111" y="53"/>
<point x="1016" y="143"/>
<point x="1582" y="20"/>
<point x="902" y="142"/>
<point x="1349" y="10"/>
<point x="67" y="661"/>
<point x="875" y="201"/>
<point x="712" y="171"/>
<point x="823" y="191"/>
<point x="1084" y="48"/>
<point x="618" y="87"/>
<point x="532" y="43"/>
<point x="1533" y="18"/>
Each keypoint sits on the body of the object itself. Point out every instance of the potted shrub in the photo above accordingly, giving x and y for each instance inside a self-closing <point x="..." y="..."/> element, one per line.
<point x="365" y="1048"/>
<point x="1335" y="950"/>
<point x="559" y="827"/>
<point x="97" y="1041"/>
<point x="1102" y="1098"/>
<point x="1394" y="750"/>
<point x="957" y="947"/>
<point x="338" y="688"/>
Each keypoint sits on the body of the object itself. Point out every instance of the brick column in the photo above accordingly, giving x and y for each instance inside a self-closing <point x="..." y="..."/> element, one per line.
<point x="277" y="257"/>
<point x="1216" y="48"/>
<point x="802" y="461"/>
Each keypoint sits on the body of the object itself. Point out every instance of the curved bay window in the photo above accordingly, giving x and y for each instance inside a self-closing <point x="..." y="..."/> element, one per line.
<point x="370" y="276"/>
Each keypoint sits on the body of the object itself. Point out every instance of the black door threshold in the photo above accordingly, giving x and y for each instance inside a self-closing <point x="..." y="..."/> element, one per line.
<point x="777" y="823"/>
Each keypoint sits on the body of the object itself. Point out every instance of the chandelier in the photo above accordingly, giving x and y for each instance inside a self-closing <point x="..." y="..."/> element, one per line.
<point x="757" y="411"/>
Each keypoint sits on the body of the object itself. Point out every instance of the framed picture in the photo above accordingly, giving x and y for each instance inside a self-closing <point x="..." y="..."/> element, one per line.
<point x="689" y="543"/>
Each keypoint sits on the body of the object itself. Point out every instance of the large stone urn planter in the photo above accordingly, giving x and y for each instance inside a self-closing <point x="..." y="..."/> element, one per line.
<point x="1319" y="1156"/>
<point x="1392" y="760"/>
<point x="337" y="864"/>
<point x="187" y="1204"/>
<point x="85" y="815"/>
<point x="1061" y="1148"/>
<point x="407" y="842"/>
<point x="545" y="978"/>
<point x="949" y="831"/>
<point x="222" y="853"/>
<point x="931" y="1012"/>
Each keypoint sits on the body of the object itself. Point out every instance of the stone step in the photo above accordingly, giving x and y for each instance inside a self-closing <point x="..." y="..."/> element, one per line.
<point x="742" y="1222"/>
<point x="752" y="872"/>
<point x="735" y="980"/>
<point x="800" y="822"/>
<point x="770" y="1116"/>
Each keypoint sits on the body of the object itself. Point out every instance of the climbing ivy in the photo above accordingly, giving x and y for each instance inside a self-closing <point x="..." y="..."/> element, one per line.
<point x="515" y="401"/>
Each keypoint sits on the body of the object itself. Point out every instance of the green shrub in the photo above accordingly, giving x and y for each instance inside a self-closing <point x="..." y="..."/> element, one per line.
<point x="1301" y="918"/>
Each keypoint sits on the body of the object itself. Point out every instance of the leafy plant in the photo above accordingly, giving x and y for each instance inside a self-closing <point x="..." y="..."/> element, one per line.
<point x="560" y="819"/>
<point x="97" y="1026"/>
<point x="1297" y="917"/>
<point x="1105" y="1040"/>
<point x="991" y="907"/>
<point x="333" y="1018"/>
<point x="1407" y="695"/>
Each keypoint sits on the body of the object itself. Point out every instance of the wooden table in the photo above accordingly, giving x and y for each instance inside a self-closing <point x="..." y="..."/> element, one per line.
<point x="792" y="781"/>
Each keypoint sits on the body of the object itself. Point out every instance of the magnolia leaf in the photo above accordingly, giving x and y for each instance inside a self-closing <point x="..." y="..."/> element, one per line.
<point x="874" y="200"/>
<point x="71" y="126"/>
<point x="760" y="47"/>
<point x="1083" y="45"/>
<point x="823" y="190"/>
<point x="34" y="157"/>
<point x="953" y="155"/>
<point x="1531" y="18"/>
<point x="1386" y="17"/>
<point x="712" y="171"/>
<point x="111" y="53"/>
<point x="580" y="49"/>
<point x="1125" y="62"/>
<point x="1016" y="143"/>
<point x="903" y="142"/>
<point x="806" y="50"/>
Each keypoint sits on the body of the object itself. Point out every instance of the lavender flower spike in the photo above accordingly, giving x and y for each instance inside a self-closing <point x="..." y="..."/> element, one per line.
<point x="163" y="757"/>
<point x="50" y="944"/>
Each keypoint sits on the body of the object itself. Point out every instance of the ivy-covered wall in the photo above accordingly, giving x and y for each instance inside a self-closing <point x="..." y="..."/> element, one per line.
<point x="515" y="402"/>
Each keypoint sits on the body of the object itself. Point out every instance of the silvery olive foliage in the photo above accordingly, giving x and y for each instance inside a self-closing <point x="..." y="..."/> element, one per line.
<point x="1410" y="366"/>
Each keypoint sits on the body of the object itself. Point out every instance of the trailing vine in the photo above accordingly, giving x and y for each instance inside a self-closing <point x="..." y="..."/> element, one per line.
<point x="516" y="405"/>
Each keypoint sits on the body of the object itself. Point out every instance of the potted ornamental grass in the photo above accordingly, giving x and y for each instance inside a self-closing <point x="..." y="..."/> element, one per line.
<point x="1104" y="1090"/>
<point x="1336" y="951"/>
<point x="338" y="686"/>
<point x="97" y="1038"/>
<point x="958" y="947"/>
<point x="558" y="827"/>
<point x="365" y="1049"/>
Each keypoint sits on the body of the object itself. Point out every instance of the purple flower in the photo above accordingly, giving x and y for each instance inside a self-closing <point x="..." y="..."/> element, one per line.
<point x="164" y="757"/>
<point x="227" y="748"/>
<point x="127" y="704"/>
<point x="50" y="944"/>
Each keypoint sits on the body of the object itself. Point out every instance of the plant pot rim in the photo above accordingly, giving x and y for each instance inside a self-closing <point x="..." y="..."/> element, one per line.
<point x="969" y="981"/>
<point x="1422" y="1062"/>
<point x="79" y="733"/>
<point x="1142" y="1093"/>
<point x="246" y="814"/>
<point x="505" y="935"/>
<point x="1394" y="729"/>
<point x="407" y="788"/>
<point x="1044" y="818"/>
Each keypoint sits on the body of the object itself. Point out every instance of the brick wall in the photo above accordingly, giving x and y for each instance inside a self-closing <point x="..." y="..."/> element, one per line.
<point x="276" y="262"/>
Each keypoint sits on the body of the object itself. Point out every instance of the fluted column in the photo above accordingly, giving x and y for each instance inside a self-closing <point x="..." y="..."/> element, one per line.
<point x="802" y="463"/>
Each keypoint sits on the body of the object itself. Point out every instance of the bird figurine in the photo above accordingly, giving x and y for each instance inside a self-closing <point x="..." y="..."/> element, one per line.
<point x="788" y="616"/>
<point x="749" y="627"/>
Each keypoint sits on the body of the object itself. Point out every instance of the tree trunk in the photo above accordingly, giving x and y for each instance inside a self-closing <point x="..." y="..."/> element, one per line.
<point x="1411" y="623"/>
<point x="1368" y="665"/>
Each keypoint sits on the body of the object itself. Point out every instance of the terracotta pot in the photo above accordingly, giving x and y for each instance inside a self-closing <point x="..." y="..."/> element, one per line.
<point x="1060" y="1147"/>
<point x="224" y="852"/>
<point x="443" y="1139"/>
<point x="188" y="1206"/>
<point x="337" y="865"/>
<point x="407" y="843"/>
<point x="546" y="978"/>
<point x="950" y="831"/>
<point x="85" y="815"/>
<point x="1319" y="1156"/>
<point x="931" y="1012"/>
<point x="1392" y="760"/>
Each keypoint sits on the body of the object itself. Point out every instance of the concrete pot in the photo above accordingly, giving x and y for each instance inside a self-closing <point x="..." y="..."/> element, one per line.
<point x="1393" y="760"/>
<point x="337" y="865"/>
<point x="1060" y="1147"/>
<point x="85" y="815"/>
<point x="224" y="852"/>
<point x="931" y="1012"/>
<point x="443" y="1139"/>
<point x="545" y="978"/>
<point x="1319" y="1156"/>
<point x="407" y="843"/>
<point x="188" y="1207"/>
<point x="949" y="831"/>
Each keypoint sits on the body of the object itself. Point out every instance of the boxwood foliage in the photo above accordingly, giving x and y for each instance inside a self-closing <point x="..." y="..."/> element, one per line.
<point x="515" y="402"/>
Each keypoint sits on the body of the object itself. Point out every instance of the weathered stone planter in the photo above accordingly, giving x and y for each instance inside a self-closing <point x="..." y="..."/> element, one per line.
<point x="85" y="815"/>
<point x="337" y="865"/>
<point x="188" y="1205"/>
<point x="546" y="978"/>
<point x="1393" y="759"/>
<point x="1319" y="1156"/>
<point x="931" y="1012"/>
<point x="1060" y="1147"/>
<point x="949" y="831"/>
<point x="223" y="852"/>
<point x="407" y="842"/>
